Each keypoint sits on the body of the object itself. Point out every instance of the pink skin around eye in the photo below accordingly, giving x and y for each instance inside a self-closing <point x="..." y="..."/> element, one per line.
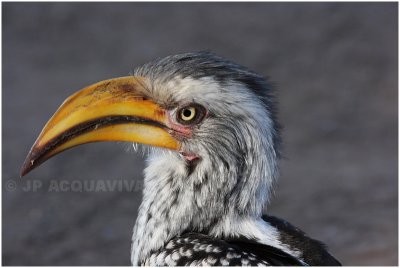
<point x="185" y="132"/>
<point x="181" y="130"/>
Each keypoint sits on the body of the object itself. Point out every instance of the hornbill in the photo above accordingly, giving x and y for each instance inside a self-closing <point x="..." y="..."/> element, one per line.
<point x="209" y="175"/>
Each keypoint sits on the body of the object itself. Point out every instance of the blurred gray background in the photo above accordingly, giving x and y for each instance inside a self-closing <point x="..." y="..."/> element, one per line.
<point x="335" y="67"/>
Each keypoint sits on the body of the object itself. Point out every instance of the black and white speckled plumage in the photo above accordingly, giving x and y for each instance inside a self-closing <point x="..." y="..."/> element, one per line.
<point x="194" y="249"/>
<point x="210" y="211"/>
<point x="199" y="249"/>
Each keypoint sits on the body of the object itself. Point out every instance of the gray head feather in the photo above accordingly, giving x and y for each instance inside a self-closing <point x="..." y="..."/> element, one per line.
<point x="206" y="64"/>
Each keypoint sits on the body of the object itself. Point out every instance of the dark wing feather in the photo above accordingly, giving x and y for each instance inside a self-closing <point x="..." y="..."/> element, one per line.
<point x="313" y="251"/>
<point x="274" y="256"/>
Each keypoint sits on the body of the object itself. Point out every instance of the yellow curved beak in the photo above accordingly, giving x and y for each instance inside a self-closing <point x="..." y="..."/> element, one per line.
<point x="111" y="110"/>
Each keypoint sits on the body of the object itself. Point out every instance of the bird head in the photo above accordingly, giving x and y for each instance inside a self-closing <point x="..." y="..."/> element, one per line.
<point x="210" y="121"/>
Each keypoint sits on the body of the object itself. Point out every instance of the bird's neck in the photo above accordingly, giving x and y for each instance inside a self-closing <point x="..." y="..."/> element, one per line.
<point x="218" y="201"/>
<point x="170" y="206"/>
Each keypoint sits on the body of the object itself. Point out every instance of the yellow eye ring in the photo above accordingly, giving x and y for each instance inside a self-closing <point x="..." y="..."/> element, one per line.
<point x="187" y="114"/>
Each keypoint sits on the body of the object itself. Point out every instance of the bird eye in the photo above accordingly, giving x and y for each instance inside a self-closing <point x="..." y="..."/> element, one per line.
<point x="190" y="114"/>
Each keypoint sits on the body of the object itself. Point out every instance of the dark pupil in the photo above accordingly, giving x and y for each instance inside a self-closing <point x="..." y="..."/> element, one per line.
<point x="187" y="113"/>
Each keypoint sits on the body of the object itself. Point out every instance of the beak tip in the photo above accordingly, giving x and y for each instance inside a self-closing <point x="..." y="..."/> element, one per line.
<point x="26" y="167"/>
<point x="31" y="161"/>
